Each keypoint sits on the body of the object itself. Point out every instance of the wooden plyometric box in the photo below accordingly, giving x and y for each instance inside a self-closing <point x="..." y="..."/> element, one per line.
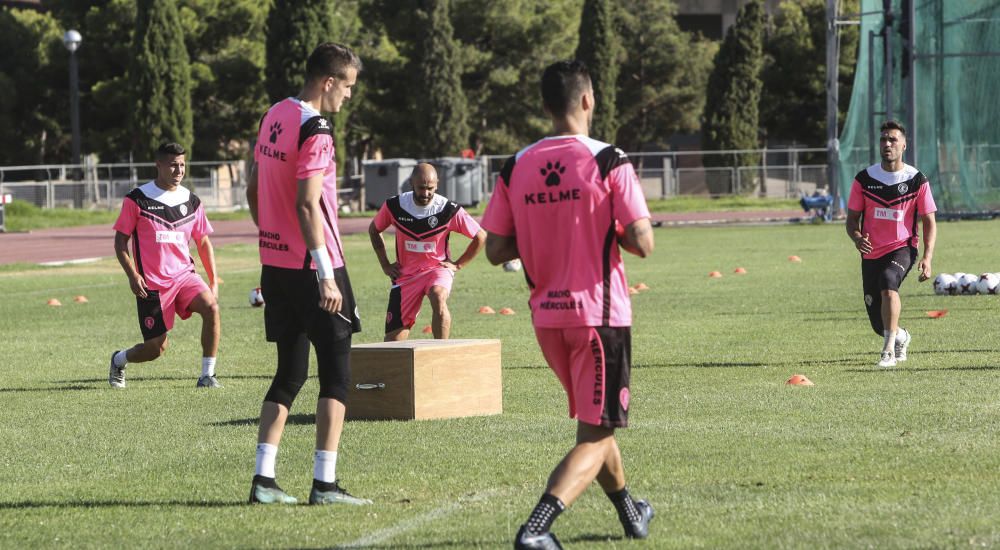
<point x="424" y="379"/>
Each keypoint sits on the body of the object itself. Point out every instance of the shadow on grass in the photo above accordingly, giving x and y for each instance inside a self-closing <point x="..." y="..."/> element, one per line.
<point x="707" y="365"/>
<point x="904" y="368"/>
<point x="72" y="387"/>
<point x="301" y="419"/>
<point x="442" y="544"/>
<point x="28" y="504"/>
<point x="138" y="377"/>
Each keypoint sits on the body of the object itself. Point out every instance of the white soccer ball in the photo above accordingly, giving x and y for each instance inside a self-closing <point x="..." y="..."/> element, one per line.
<point x="967" y="283"/>
<point x="987" y="283"/>
<point x="513" y="265"/>
<point x="256" y="297"/>
<point x="945" y="284"/>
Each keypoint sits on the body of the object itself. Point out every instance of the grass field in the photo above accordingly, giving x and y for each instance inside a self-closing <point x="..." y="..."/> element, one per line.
<point x="728" y="454"/>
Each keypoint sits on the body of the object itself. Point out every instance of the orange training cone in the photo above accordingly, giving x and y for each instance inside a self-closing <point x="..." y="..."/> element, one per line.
<point x="53" y="302"/>
<point x="81" y="299"/>
<point x="937" y="313"/>
<point x="794" y="258"/>
<point x="799" y="380"/>
<point x="641" y="286"/>
<point x="715" y="275"/>
<point x="740" y="271"/>
<point x="632" y="290"/>
<point x="506" y="311"/>
<point x="486" y="310"/>
<point x="428" y="330"/>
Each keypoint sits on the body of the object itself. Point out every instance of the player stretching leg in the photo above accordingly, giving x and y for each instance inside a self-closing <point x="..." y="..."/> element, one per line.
<point x="292" y="193"/>
<point x="160" y="217"/>
<point x="569" y="200"/>
<point x="423" y="221"/>
<point x="886" y="201"/>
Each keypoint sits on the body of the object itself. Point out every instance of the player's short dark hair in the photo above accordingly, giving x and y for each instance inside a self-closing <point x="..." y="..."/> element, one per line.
<point x="562" y="84"/>
<point x="331" y="59"/>
<point x="893" y="125"/>
<point x="169" y="150"/>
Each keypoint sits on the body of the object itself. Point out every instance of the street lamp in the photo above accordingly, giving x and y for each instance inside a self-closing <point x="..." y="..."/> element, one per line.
<point x="72" y="41"/>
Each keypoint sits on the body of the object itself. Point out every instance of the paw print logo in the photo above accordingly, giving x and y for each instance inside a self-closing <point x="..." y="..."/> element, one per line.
<point x="275" y="132"/>
<point x="552" y="173"/>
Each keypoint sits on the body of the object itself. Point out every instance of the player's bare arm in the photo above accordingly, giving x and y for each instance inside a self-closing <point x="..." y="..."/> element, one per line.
<point x="252" y="188"/>
<point x="861" y="240"/>
<point x="206" y="253"/>
<point x="638" y="238"/>
<point x="501" y="248"/>
<point x="471" y="251"/>
<point x="391" y="270"/>
<point x="310" y="216"/>
<point x="929" y="223"/>
<point x="135" y="280"/>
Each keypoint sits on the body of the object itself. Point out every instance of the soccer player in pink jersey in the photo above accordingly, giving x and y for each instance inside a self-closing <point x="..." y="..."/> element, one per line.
<point x="563" y="205"/>
<point x="885" y="203"/>
<point x="423" y="221"/>
<point x="160" y="218"/>
<point x="292" y="193"/>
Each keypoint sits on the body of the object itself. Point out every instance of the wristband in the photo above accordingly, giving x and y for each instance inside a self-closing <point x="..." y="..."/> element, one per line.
<point x="324" y="266"/>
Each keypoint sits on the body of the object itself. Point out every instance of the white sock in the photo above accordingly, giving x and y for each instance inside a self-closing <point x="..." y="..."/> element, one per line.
<point x="208" y="366"/>
<point x="121" y="358"/>
<point x="266" y="456"/>
<point x="325" y="469"/>
<point x="901" y="335"/>
<point x="890" y="339"/>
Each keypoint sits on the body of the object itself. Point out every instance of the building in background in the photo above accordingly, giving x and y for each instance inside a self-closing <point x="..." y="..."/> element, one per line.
<point x="713" y="17"/>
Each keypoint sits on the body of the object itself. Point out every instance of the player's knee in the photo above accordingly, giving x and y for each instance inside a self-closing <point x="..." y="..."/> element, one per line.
<point x="154" y="347"/>
<point x="284" y="390"/>
<point x="438" y="297"/>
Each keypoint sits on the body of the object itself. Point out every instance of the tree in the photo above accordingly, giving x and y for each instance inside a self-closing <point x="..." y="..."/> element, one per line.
<point x="34" y="105"/>
<point x="733" y="95"/>
<point x="661" y="88"/>
<point x="600" y="48"/>
<point x="441" y="101"/>
<point x="160" y="78"/>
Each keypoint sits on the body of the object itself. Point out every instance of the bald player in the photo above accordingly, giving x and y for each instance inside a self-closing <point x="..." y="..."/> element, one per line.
<point x="423" y="221"/>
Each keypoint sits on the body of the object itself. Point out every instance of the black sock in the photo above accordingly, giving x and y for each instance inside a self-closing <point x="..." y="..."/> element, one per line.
<point x="263" y="481"/>
<point x="546" y="511"/>
<point x="623" y="502"/>
<point x="324" y="486"/>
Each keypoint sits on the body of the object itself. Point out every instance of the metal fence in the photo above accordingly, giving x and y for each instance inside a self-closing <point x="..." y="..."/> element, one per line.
<point x="781" y="173"/>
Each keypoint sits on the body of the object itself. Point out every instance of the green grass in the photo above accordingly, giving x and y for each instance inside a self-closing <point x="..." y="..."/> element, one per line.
<point x="721" y="204"/>
<point x="730" y="456"/>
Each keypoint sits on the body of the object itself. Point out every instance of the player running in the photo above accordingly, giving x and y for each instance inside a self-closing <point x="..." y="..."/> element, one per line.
<point x="423" y="221"/>
<point x="292" y="193"/>
<point x="886" y="201"/>
<point x="160" y="218"/>
<point x="563" y="205"/>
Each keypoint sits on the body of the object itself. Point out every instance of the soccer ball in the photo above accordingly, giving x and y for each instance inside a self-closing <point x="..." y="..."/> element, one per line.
<point x="945" y="284"/>
<point x="513" y="265"/>
<point x="967" y="283"/>
<point x="256" y="297"/>
<point x="987" y="283"/>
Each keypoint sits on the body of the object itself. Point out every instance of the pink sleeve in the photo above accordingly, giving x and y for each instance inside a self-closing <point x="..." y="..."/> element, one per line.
<point x="465" y="224"/>
<point x="383" y="219"/>
<point x="129" y="214"/>
<point x="626" y="192"/>
<point x="498" y="218"/>
<point x="314" y="156"/>
<point x="856" y="201"/>
<point x="925" y="200"/>
<point x="201" y="225"/>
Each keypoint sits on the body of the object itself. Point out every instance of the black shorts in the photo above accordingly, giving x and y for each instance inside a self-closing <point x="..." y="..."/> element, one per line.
<point x="291" y="304"/>
<point x="887" y="272"/>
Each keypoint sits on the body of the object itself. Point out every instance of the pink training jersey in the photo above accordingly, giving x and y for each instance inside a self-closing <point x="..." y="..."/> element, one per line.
<point x="560" y="198"/>
<point x="422" y="231"/>
<point x="160" y="224"/>
<point x="891" y="203"/>
<point x="294" y="143"/>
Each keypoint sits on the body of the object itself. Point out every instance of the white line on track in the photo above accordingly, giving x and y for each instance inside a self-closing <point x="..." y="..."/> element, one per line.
<point x="404" y="526"/>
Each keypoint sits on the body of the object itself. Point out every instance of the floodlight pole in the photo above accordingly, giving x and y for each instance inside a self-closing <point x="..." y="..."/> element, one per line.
<point x="911" y="84"/>
<point x="72" y="41"/>
<point x="832" y="101"/>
